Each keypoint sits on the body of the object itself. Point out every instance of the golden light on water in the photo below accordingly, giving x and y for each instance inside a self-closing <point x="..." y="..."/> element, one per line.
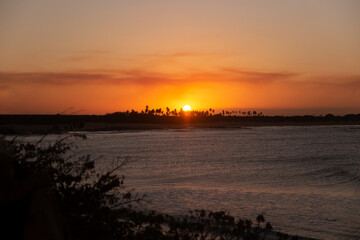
<point x="187" y="108"/>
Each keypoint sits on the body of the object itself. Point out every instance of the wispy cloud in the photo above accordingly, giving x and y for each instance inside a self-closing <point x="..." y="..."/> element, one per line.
<point x="146" y="78"/>
<point x="90" y="55"/>
<point x="78" y="78"/>
<point x="348" y="80"/>
<point x="86" y="55"/>
<point x="258" y="76"/>
<point x="180" y="54"/>
<point x="354" y="83"/>
<point x="51" y="78"/>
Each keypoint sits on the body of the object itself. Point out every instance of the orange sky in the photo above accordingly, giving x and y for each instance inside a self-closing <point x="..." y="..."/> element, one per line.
<point x="282" y="57"/>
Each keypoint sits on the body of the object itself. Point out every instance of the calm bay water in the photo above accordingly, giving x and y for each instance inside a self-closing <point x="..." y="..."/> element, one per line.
<point x="305" y="179"/>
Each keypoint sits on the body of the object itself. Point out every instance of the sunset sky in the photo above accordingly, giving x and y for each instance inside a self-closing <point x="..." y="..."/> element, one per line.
<point x="287" y="56"/>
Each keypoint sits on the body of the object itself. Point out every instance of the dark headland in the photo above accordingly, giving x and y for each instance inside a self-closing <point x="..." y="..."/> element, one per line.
<point x="119" y="121"/>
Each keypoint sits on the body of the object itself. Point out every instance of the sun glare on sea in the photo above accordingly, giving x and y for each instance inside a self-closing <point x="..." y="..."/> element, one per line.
<point x="187" y="108"/>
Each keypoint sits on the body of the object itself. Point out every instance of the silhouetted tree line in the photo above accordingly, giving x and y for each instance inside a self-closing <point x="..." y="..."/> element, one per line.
<point x="91" y="205"/>
<point x="169" y="116"/>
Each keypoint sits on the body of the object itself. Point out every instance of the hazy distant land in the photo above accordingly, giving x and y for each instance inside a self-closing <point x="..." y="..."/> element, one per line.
<point x="19" y="124"/>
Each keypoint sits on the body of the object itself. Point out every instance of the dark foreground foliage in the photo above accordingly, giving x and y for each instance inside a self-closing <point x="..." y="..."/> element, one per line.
<point x="98" y="206"/>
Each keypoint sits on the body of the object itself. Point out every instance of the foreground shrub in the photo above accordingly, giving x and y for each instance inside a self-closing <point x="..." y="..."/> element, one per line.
<point x="98" y="206"/>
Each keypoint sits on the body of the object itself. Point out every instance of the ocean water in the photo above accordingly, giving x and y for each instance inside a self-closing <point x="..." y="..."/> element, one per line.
<point x="306" y="180"/>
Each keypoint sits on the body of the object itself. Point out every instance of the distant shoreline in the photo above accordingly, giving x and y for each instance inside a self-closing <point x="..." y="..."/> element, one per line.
<point x="37" y="128"/>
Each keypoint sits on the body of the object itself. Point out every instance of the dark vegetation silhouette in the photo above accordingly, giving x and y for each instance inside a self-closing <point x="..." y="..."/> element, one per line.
<point x="164" y="117"/>
<point x="88" y="204"/>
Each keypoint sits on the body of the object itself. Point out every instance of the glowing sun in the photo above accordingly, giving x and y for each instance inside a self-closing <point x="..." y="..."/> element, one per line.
<point x="187" y="108"/>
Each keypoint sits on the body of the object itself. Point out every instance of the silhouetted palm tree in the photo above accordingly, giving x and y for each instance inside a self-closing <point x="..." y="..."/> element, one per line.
<point x="268" y="228"/>
<point x="260" y="218"/>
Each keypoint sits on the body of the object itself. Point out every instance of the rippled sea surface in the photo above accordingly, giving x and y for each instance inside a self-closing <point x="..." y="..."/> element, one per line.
<point x="305" y="179"/>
